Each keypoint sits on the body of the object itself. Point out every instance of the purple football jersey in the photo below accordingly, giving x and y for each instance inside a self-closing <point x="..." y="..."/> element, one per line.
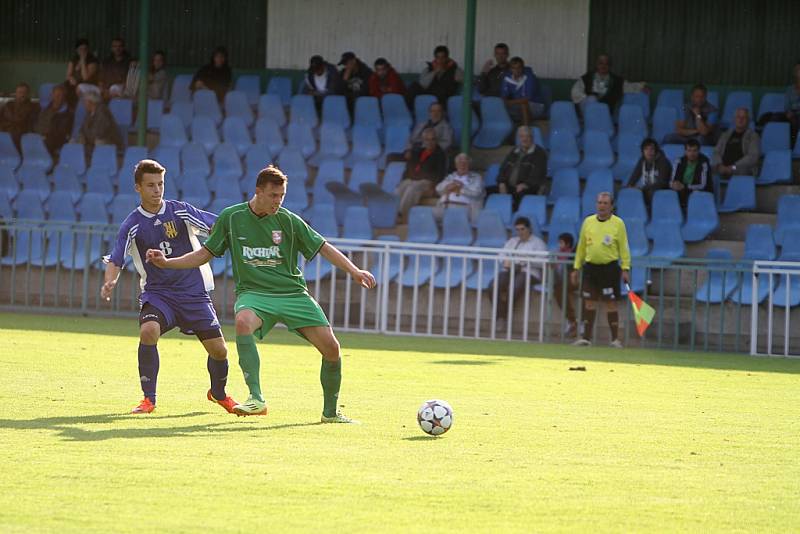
<point x="174" y="230"/>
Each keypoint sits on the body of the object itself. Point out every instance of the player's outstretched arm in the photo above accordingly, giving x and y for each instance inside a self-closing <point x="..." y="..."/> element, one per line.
<point x="333" y="255"/>
<point x="187" y="261"/>
<point x="109" y="280"/>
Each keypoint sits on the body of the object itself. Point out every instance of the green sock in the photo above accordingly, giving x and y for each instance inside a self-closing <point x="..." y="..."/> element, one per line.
<point x="330" y="376"/>
<point x="250" y="364"/>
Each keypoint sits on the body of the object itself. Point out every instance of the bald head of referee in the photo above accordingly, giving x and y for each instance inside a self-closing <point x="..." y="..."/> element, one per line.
<point x="602" y="256"/>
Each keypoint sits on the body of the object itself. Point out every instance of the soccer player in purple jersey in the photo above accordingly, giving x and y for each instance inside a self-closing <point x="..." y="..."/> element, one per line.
<point x="169" y="298"/>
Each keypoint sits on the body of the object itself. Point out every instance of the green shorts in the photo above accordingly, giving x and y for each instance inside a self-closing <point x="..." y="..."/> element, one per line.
<point x="295" y="311"/>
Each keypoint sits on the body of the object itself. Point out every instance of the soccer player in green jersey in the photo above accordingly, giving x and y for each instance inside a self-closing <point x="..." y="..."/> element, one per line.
<point x="264" y="240"/>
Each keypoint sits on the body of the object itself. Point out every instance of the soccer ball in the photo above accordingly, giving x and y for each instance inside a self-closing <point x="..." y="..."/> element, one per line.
<point x="435" y="417"/>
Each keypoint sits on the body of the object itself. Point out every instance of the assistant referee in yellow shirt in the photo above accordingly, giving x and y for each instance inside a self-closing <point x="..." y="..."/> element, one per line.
<point x="604" y="255"/>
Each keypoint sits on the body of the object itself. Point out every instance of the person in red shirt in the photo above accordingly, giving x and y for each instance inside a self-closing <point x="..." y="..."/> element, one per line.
<point x="385" y="80"/>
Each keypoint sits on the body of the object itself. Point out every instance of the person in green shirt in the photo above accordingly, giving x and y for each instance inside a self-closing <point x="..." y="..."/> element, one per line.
<point x="264" y="240"/>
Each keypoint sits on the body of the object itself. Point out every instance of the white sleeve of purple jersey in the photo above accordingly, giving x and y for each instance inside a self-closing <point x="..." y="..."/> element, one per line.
<point x="201" y="220"/>
<point x="125" y="236"/>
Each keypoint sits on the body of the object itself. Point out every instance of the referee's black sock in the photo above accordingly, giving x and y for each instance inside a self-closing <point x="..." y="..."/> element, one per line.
<point x="613" y="324"/>
<point x="589" y="323"/>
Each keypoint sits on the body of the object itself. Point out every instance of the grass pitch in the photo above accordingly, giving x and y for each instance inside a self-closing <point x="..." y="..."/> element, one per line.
<point x="642" y="440"/>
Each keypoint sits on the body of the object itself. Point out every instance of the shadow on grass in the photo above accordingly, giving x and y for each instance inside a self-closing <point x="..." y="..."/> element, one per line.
<point x="65" y="427"/>
<point x="389" y="343"/>
<point x="464" y="362"/>
<point x="420" y="438"/>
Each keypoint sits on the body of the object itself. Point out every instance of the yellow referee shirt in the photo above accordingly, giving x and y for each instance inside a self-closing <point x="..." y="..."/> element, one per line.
<point x="602" y="242"/>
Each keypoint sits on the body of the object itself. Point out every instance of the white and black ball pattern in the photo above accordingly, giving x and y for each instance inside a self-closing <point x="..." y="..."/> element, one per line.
<point x="435" y="417"/>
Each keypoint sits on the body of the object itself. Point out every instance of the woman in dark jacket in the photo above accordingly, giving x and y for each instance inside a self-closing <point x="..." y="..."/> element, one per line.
<point x="216" y="75"/>
<point x="652" y="172"/>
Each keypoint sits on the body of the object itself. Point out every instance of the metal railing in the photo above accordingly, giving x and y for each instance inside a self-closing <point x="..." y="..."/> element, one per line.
<point x="438" y="290"/>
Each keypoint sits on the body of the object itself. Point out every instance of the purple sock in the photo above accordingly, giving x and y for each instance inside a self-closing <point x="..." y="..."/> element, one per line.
<point x="218" y="371"/>
<point x="148" y="370"/>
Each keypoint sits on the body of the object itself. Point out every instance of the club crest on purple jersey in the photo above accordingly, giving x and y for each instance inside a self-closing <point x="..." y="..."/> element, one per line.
<point x="170" y="229"/>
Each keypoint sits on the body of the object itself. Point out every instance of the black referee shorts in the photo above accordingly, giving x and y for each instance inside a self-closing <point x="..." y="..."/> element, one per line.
<point x="601" y="282"/>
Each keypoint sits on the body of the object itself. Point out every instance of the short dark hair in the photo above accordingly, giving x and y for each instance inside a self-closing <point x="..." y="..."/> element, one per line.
<point x="567" y="238"/>
<point x="516" y="60"/>
<point x="648" y="141"/>
<point x="502" y="45"/>
<point x="147" y="166"/>
<point x="441" y="48"/>
<point x="270" y="175"/>
<point x="701" y="87"/>
<point x="81" y="41"/>
<point x="381" y="62"/>
<point x="120" y="39"/>
<point x="524" y="221"/>
<point x="692" y="142"/>
<point x="25" y="85"/>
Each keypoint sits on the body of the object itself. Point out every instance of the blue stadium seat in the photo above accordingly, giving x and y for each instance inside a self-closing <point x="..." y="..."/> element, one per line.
<point x="321" y="217"/>
<point x="89" y="246"/>
<point x="8" y="152"/>
<point x="667" y="242"/>
<point x="73" y="156"/>
<point x="735" y="100"/>
<point x="771" y="103"/>
<point x="173" y="132"/>
<point x="34" y="153"/>
<point x="664" y="118"/>
<point x="719" y="285"/>
<point x="671" y="98"/>
<point x="204" y="132"/>
<point x="775" y="136"/>
<point x="184" y="111"/>
<point x="45" y="93"/>
<point x="538" y="137"/>
<point x="787" y="291"/>
<point x="257" y="157"/>
<point x="60" y="239"/>
<point x="356" y="224"/>
<point x="638" y="277"/>
<point x="454" y="117"/>
<point x="168" y="157"/>
<point x="496" y="124"/>
<point x="377" y="260"/>
<point x="29" y="204"/>
<point x="194" y="158"/>
<point x="457" y="231"/>
<point x="268" y="133"/>
<point x="227" y="190"/>
<point x="6" y="212"/>
<point x="563" y="151"/>
<point x="198" y="188"/>
<point x="226" y="161"/>
<point x="788" y="217"/>
<point x="34" y="179"/>
<point x="490" y="176"/>
<point x="501" y="204"/>
<point x="303" y="110"/>
<point x="237" y="105"/>
<point x="332" y="143"/>
<point x="673" y="152"/>
<point x="367" y="112"/>
<point x="630" y="205"/>
<point x="758" y="245"/>
<point x="366" y="144"/>
<point x="364" y="172"/>
<point x="296" y="199"/>
<point x="534" y="207"/>
<point x="701" y="217"/>
<point x="330" y="170"/>
<point x="155" y="112"/>
<point x="396" y="138"/>
<point x="382" y="206"/>
<point x="80" y="116"/>
<point x="122" y="111"/>
<point x="639" y="99"/>
<point x="597" y="153"/>
<point x="133" y="155"/>
<point x="235" y="131"/>
<point x="99" y="182"/>
<point x="776" y="168"/>
<point x="181" y="91"/>
<point x="421" y="229"/>
<point x="565" y="184"/>
<point x="282" y="87"/>
<point x="301" y="137"/>
<point x="392" y="176"/>
<point x="66" y="181"/>
<point x="599" y="181"/>
<point x="271" y="107"/>
<point x="250" y="85"/>
<point x="422" y="104"/>
<point x="343" y="198"/>
<point x="8" y="182"/>
<point x="104" y="159"/>
<point x="293" y="164"/>
<point x="666" y="211"/>
<point x="395" y="110"/>
<point x="628" y="154"/>
<point x="27" y="244"/>
<point x="739" y="195"/>
<point x="567" y="210"/>
<point x="597" y="118"/>
<point x="632" y="120"/>
<point x="122" y="205"/>
<point x="61" y="207"/>
<point x="637" y="238"/>
<point x="206" y="105"/>
<point x="334" y="111"/>
<point x="564" y="119"/>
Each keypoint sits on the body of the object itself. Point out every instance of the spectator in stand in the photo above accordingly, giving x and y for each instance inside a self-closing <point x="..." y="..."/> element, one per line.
<point x="493" y="71"/>
<point x="521" y="92"/>
<point x="215" y="75"/>
<point x="114" y="70"/>
<point x="322" y="79"/>
<point x="523" y="171"/>
<point x="82" y="73"/>
<point x="738" y="149"/>
<point x="438" y="122"/>
<point x="695" y="124"/>
<point x="439" y="78"/>
<point x="157" y="78"/>
<point x="55" y="121"/>
<point x="604" y="86"/>
<point x="18" y="116"/>
<point x="424" y="170"/>
<point x="355" y="77"/>
<point x="99" y="126"/>
<point x="524" y="241"/>
<point x="791" y="107"/>
<point x="652" y="172"/>
<point x="563" y="277"/>
<point x="385" y="80"/>
<point x="460" y="189"/>
<point x="691" y="172"/>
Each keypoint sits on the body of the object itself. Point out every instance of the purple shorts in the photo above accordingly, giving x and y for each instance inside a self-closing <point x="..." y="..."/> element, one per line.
<point x="193" y="314"/>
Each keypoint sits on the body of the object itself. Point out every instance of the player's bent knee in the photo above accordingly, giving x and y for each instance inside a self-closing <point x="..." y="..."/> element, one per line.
<point x="246" y="322"/>
<point x="149" y="333"/>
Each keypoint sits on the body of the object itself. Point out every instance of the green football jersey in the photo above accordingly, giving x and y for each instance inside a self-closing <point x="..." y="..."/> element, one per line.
<point x="264" y="249"/>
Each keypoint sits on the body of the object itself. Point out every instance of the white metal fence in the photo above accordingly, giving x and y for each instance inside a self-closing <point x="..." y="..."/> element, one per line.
<point x="782" y="280"/>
